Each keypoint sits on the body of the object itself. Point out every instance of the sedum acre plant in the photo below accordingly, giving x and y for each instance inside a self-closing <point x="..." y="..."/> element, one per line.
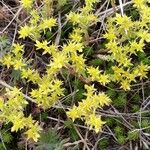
<point x="125" y="38"/>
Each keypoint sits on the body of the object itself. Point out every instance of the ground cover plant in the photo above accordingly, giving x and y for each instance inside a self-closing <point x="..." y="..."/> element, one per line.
<point x="75" y="74"/>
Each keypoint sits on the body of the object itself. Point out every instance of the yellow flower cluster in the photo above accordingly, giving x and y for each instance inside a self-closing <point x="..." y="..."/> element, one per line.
<point x="15" y="59"/>
<point x="96" y="75"/>
<point x="47" y="94"/>
<point x="37" y="23"/>
<point x="125" y="39"/>
<point x="27" y="4"/>
<point x="125" y="77"/>
<point x="86" y="109"/>
<point x="85" y="17"/>
<point x="11" y="110"/>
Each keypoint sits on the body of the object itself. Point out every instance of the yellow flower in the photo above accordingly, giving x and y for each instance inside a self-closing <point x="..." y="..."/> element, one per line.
<point x="33" y="132"/>
<point x="103" y="99"/>
<point x="75" y="18"/>
<point x="94" y="121"/>
<point x="138" y="3"/>
<point x="15" y="91"/>
<point x="18" y="122"/>
<point x="36" y="94"/>
<point x="73" y="47"/>
<point x="125" y="84"/>
<point x="27" y="73"/>
<point x="110" y="35"/>
<point x="73" y="113"/>
<point x="59" y="61"/>
<point x="18" y="64"/>
<point x="143" y="70"/>
<point x="78" y="63"/>
<point x="17" y="48"/>
<point x="90" y="90"/>
<point x="76" y="35"/>
<point x="137" y="46"/>
<point x="52" y="49"/>
<point x="7" y="60"/>
<point x="85" y="105"/>
<point x="25" y="31"/>
<point x="35" y="77"/>
<point x="42" y="45"/>
<point x="48" y="23"/>
<point x="34" y="17"/>
<point x="124" y="21"/>
<point x="26" y="3"/>
<point x="104" y="79"/>
<point x="94" y="73"/>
